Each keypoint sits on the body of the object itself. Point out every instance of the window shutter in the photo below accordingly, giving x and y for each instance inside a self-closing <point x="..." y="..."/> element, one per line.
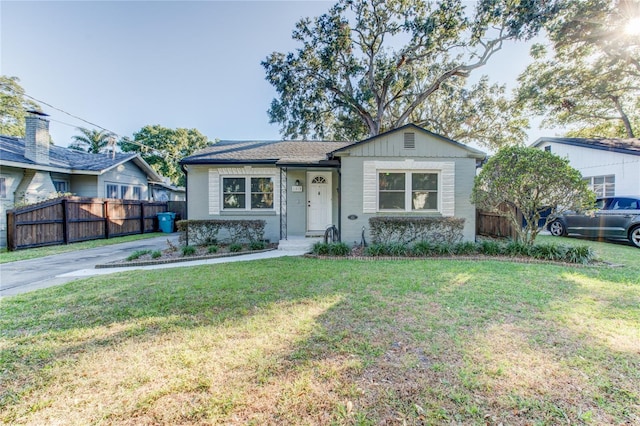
<point x="214" y="192"/>
<point x="409" y="140"/>
<point x="369" y="187"/>
<point x="448" y="175"/>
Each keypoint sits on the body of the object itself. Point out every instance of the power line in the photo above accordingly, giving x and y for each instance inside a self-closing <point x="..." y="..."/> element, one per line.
<point x="123" y="138"/>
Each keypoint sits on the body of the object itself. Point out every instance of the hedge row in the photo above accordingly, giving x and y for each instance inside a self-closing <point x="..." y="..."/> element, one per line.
<point x="207" y="232"/>
<point x="408" y="229"/>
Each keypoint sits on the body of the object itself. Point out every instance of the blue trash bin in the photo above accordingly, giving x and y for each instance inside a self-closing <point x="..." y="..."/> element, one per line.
<point x="165" y="221"/>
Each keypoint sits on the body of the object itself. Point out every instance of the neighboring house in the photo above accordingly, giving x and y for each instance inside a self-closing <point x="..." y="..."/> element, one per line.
<point x="32" y="170"/>
<point x="610" y="166"/>
<point x="164" y="191"/>
<point x="302" y="187"/>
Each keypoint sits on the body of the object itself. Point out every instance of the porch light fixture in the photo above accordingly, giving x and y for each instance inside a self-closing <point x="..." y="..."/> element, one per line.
<point x="297" y="186"/>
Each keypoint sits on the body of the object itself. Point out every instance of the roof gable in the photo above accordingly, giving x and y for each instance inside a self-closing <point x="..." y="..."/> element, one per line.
<point x="629" y="146"/>
<point x="471" y="151"/>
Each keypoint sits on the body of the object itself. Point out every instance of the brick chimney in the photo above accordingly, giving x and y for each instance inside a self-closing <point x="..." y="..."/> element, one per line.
<point x="37" y="137"/>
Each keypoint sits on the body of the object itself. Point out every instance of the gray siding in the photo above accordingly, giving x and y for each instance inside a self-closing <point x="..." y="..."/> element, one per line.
<point x="199" y="195"/>
<point x="391" y="148"/>
<point x="124" y="174"/>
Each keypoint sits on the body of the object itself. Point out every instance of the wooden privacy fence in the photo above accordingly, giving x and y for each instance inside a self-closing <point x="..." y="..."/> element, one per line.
<point x="73" y="219"/>
<point x="496" y="224"/>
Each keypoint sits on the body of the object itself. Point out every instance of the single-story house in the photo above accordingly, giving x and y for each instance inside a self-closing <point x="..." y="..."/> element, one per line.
<point x="302" y="187"/>
<point x="610" y="166"/>
<point x="32" y="170"/>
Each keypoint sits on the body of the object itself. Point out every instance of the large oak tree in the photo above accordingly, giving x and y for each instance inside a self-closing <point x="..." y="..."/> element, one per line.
<point x="589" y="77"/>
<point x="368" y="66"/>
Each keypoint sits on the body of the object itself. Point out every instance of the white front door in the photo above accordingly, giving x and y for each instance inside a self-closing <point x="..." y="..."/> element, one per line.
<point x="318" y="201"/>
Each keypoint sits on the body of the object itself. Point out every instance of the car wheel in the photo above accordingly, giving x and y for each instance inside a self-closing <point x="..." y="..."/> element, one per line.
<point x="634" y="236"/>
<point x="557" y="228"/>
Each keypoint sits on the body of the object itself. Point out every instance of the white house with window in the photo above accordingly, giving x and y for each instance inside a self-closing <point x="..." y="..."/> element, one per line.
<point x="302" y="187"/>
<point x="610" y="166"/>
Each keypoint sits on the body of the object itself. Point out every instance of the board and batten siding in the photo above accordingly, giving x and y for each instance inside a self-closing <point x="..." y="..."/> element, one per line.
<point x="360" y="164"/>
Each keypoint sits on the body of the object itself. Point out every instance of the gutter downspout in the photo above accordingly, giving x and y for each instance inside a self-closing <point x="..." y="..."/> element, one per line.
<point x="186" y="200"/>
<point x="340" y="204"/>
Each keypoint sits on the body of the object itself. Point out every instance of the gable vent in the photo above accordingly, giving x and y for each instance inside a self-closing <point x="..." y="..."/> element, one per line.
<point x="409" y="141"/>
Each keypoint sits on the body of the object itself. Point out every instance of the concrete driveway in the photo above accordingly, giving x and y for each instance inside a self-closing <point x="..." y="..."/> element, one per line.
<point x="28" y="275"/>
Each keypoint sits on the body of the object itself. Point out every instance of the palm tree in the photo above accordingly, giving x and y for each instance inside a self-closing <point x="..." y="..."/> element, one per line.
<point x="92" y="141"/>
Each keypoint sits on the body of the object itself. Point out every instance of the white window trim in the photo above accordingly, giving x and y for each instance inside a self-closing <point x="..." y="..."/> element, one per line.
<point x="129" y="190"/>
<point x="216" y="191"/>
<point x="408" y="191"/>
<point x="446" y="183"/>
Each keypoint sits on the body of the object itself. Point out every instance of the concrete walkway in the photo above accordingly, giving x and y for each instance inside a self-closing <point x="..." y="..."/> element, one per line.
<point x="29" y="275"/>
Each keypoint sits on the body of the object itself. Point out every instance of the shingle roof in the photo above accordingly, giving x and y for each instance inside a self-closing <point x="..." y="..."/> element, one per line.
<point x="270" y="152"/>
<point x="625" y="146"/>
<point x="12" y="150"/>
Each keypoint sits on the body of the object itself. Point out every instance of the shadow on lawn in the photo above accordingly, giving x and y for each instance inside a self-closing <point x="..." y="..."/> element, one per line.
<point x="413" y="341"/>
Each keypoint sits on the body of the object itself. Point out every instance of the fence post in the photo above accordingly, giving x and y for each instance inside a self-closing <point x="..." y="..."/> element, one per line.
<point x="106" y="219"/>
<point x="65" y="221"/>
<point x="142" y="217"/>
<point x="11" y="231"/>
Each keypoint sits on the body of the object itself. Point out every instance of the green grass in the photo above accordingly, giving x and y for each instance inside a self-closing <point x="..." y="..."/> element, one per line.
<point x="311" y="341"/>
<point x="26" y="254"/>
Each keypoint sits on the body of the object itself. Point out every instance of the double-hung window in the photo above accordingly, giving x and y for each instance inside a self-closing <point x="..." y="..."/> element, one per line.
<point x="603" y="186"/>
<point x="408" y="191"/>
<point x="247" y="193"/>
<point x="124" y="192"/>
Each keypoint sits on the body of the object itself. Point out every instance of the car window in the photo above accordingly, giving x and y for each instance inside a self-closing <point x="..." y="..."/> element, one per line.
<point x="625" y="204"/>
<point x="600" y="203"/>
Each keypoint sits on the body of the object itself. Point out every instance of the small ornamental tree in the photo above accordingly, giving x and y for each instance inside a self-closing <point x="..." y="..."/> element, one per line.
<point x="532" y="181"/>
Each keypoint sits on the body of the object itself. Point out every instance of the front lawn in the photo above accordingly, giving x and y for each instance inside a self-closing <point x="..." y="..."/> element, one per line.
<point x="311" y="341"/>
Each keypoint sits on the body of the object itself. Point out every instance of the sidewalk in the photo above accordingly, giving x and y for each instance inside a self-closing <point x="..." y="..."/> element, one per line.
<point x="29" y="275"/>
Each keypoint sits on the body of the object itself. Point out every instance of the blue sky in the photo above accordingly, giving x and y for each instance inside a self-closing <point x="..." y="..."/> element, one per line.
<point x="192" y="64"/>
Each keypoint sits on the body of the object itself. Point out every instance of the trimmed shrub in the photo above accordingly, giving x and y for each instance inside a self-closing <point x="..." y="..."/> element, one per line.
<point x="156" y="254"/>
<point x="257" y="245"/>
<point x="137" y="254"/>
<point x="579" y="254"/>
<point x="465" y="248"/>
<point x="515" y="248"/>
<point x="397" y="249"/>
<point x="320" y="249"/>
<point x="207" y="232"/>
<point x="444" y="249"/>
<point x="490" y="248"/>
<point x="408" y="229"/>
<point x="376" y="249"/>
<point x="339" y="249"/>
<point x="188" y="250"/>
<point x="423" y="248"/>
<point x="550" y="251"/>
<point x="235" y="247"/>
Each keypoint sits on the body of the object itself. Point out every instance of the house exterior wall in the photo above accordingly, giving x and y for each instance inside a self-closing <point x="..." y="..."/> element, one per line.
<point x="597" y="162"/>
<point x="204" y="196"/>
<point x="453" y="163"/>
<point x="84" y="186"/>
<point x="296" y="203"/>
<point x="12" y="178"/>
<point x="124" y="174"/>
